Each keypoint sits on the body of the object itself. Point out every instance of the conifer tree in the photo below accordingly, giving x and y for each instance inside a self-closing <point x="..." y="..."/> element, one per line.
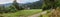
<point x="16" y="4"/>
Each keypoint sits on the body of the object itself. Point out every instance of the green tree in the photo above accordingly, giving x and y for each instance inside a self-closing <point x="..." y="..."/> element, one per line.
<point x="16" y="4"/>
<point x="48" y="4"/>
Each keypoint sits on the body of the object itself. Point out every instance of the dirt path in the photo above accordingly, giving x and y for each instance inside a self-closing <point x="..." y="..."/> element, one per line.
<point x="38" y="14"/>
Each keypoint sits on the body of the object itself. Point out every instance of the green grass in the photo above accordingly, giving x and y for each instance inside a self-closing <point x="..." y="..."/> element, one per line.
<point x="22" y="13"/>
<point x="46" y="15"/>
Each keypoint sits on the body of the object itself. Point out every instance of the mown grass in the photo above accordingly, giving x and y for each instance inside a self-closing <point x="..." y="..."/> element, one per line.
<point x="22" y="13"/>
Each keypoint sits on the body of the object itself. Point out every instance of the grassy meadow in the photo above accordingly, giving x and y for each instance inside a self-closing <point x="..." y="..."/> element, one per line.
<point x="22" y="13"/>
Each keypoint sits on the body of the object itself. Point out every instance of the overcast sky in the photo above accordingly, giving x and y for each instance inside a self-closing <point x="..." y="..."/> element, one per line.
<point x="19" y="1"/>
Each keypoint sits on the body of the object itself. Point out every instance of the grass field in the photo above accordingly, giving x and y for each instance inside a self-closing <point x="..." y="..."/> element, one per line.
<point x="46" y="15"/>
<point x="22" y="13"/>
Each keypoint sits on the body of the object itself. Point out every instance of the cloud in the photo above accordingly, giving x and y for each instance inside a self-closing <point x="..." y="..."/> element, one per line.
<point x="19" y="1"/>
<point x="25" y="1"/>
<point x="5" y="1"/>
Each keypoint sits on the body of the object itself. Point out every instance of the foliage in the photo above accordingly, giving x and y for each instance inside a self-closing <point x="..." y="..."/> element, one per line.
<point x="48" y="4"/>
<point x="12" y="8"/>
<point x="58" y="3"/>
<point x="8" y="9"/>
<point x="16" y="5"/>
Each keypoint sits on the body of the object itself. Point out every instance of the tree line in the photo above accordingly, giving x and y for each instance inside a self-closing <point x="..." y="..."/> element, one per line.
<point x="15" y="6"/>
<point x="50" y="4"/>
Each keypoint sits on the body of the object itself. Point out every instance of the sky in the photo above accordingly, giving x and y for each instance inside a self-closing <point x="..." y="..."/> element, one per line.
<point x="19" y="1"/>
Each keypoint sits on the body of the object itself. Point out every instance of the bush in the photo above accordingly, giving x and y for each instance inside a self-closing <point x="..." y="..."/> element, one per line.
<point x="46" y="8"/>
<point x="8" y="9"/>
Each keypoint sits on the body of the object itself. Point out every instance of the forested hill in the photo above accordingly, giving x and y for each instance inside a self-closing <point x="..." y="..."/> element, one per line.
<point x="36" y="4"/>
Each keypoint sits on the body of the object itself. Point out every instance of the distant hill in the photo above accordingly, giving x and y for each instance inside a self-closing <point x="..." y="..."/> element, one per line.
<point x="6" y="5"/>
<point x="36" y="4"/>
